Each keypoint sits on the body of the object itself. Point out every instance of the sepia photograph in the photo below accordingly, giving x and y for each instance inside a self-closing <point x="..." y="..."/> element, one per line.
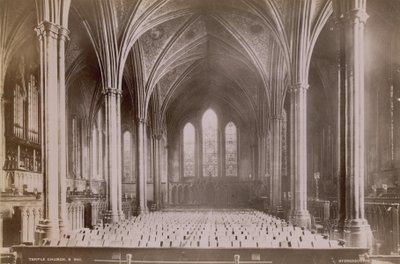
<point x="200" y="131"/>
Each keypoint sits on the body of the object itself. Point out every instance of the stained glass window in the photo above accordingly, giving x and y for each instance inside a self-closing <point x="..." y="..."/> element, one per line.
<point x="188" y="150"/>
<point x="230" y="150"/>
<point x="210" y="144"/>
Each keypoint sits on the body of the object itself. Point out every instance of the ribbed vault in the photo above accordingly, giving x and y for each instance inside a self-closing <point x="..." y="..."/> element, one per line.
<point x="174" y="49"/>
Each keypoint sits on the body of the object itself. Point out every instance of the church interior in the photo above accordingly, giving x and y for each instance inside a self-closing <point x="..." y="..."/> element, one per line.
<point x="176" y="131"/>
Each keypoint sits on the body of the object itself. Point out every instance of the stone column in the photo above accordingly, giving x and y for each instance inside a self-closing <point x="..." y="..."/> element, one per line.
<point x="111" y="122"/>
<point x="340" y="131"/>
<point x="276" y="179"/>
<point x="48" y="38"/>
<point x="90" y="150"/>
<point x="93" y="154"/>
<point x="119" y="155"/>
<point x="157" y="169"/>
<point x="99" y="147"/>
<point x="141" y="182"/>
<point x="31" y="225"/>
<point x="1" y="230"/>
<point x="24" y="224"/>
<point x="221" y="152"/>
<point x="352" y="13"/>
<point x="105" y="154"/>
<point x="2" y="138"/>
<point x="63" y="220"/>
<point x="298" y="155"/>
<point x="262" y="153"/>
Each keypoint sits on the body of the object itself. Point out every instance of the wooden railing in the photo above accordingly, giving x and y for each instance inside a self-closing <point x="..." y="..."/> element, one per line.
<point x="383" y="218"/>
<point x="384" y="221"/>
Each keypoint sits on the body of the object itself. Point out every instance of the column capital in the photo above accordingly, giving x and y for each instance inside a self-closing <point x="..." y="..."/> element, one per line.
<point x="356" y="16"/>
<point x="277" y="117"/>
<point x="46" y="28"/>
<point x="298" y="86"/>
<point x="110" y="90"/>
<point x="142" y="120"/>
<point x="157" y="136"/>
<point x="63" y="33"/>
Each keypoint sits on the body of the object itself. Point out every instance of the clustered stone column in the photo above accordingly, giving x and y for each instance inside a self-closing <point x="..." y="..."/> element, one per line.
<point x="141" y="183"/>
<point x="351" y="17"/>
<point x="157" y="169"/>
<point x="113" y="124"/>
<point x="119" y="156"/>
<point x="262" y="155"/>
<point x="276" y="180"/>
<point x="63" y="222"/>
<point x="2" y="136"/>
<point x="99" y="147"/>
<point x="48" y="36"/>
<point x="298" y="155"/>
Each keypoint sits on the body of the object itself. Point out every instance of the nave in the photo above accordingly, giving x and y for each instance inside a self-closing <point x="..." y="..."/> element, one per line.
<point x="195" y="236"/>
<point x="111" y="109"/>
<point x="191" y="228"/>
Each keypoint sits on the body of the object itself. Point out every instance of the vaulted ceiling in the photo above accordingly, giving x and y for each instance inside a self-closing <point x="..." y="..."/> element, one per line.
<point x="182" y="54"/>
<point x="223" y="51"/>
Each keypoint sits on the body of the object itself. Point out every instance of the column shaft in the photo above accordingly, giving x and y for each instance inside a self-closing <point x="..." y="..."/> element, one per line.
<point x="157" y="169"/>
<point x="1" y="230"/>
<point x="112" y="152"/>
<point x="340" y="125"/>
<point x="141" y="182"/>
<point x="276" y="180"/>
<point x="2" y="137"/>
<point x="99" y="148"/>
<point x="119" y="154"/>
<point x="298" y="155"/>
<point x="24" y="224"/>
<point x="352" y="124"/>
<point x="63" y="221"/>
<point x="48" y="35"/>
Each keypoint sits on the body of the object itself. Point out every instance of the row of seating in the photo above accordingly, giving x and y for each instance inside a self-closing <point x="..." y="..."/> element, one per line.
<point x="198" y="229"/>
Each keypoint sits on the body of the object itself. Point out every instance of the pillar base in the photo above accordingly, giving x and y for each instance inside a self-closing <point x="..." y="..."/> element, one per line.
<point x="46" y="230"/>
<point x="357" y="233"/>
<point x="300" y="218"/>
<point x="278" y="211"/>
<point x="142" y="210"/>
<point x="122" y="215"/>
<point x="337" y="232"/>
